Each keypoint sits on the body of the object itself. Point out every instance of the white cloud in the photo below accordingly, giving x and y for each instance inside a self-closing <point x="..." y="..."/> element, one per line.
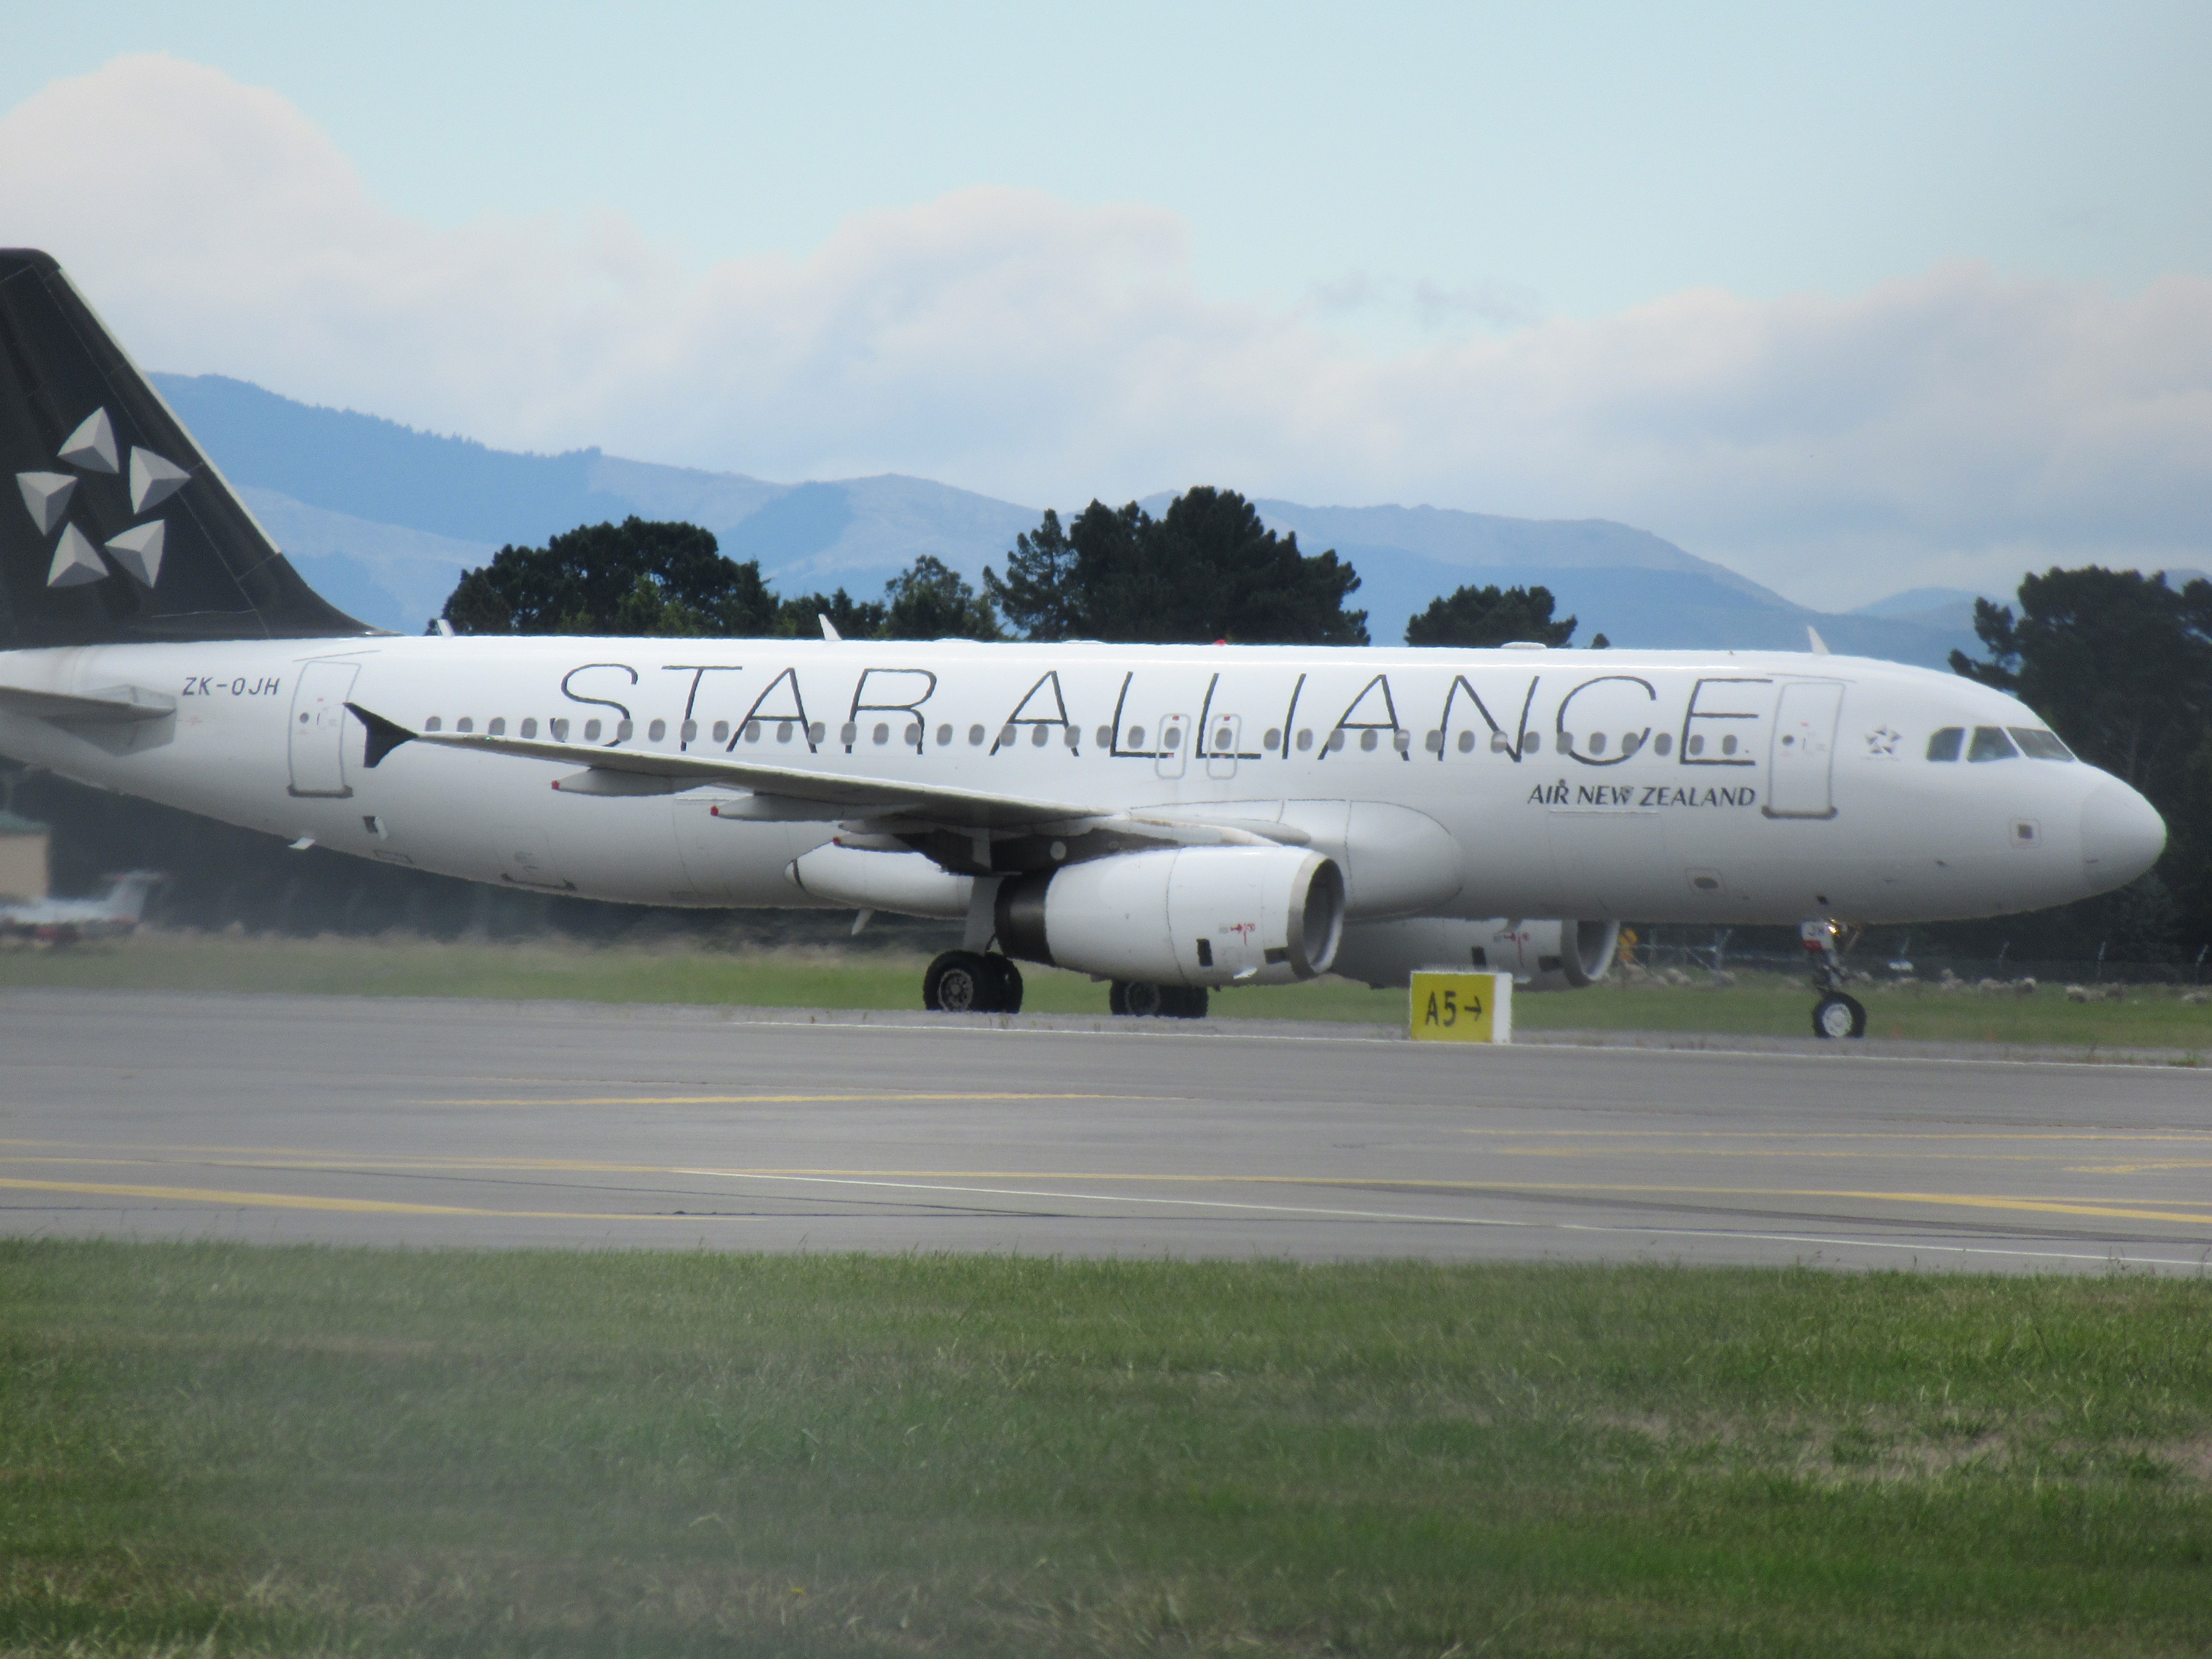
<point x="1951" y="429"/>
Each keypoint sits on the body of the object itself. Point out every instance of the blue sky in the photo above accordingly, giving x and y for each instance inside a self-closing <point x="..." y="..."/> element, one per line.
<point x="1573" y="159"/>
<point x="1494" y="258"/>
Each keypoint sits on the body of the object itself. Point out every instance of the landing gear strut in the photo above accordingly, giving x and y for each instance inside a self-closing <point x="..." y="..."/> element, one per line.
<point x="1147" y="1000"/>
<point x="972" y="983"/>
<point x="1835" y="1015"/>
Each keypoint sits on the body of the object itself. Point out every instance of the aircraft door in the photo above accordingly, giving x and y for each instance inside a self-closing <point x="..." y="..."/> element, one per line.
<point x="1175" y="745"/>
<point x="1800" y="770"/>
<point x="1224" y="732"/>
<point x="319" y="728"/>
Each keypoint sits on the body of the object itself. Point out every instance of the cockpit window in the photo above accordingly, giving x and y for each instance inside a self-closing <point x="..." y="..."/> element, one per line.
<point x="2038" y="744"/>
<point x="1944" y="745"/>
<point x="1990" y="744"/>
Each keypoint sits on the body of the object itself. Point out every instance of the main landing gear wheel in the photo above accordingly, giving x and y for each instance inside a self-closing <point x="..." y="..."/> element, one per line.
<point x="1149" y="1001"/>
<point x="1839" y="1016"/>
<point x="1006" y="990"/>
<point x="969" y="982"/>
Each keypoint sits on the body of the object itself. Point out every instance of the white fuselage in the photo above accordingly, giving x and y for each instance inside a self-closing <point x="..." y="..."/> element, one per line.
<point x="1655" y="786"/>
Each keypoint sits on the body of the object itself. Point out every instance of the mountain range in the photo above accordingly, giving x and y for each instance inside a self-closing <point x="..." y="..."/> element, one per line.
<point x="382" y="519"/>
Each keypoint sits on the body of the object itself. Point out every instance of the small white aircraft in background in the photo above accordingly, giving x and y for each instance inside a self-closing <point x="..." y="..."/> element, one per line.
<point x="1170" y="818"/>
<point x="68" y="921"/>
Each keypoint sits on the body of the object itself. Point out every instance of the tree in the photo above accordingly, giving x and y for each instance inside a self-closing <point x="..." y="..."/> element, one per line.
<point x="2118" y="662"/>
<point x="1477" y="617"/>
<point x="639" y="577"/>
<point x="1039" y="596"/>
<point x="931" y="601"/>
<point x="1207" y="569"/>
<point x="2120" y="665"/>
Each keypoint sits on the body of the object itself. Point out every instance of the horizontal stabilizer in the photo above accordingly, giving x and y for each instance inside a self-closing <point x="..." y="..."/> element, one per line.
<point x="111" y="705"/>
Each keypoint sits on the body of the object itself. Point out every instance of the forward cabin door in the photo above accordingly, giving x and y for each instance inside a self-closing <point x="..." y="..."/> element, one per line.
<point x="1802" y="765"/>
<point x="319" y="728"/>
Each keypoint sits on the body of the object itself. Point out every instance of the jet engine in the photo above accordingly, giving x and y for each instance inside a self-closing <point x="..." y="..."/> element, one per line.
<point x="1542" y="955"/>
<point x="1191" y="915"/>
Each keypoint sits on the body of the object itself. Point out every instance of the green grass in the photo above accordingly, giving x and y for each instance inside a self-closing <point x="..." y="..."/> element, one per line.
<point x="1758" y="1004"/>
<point x="224" y="1448"/>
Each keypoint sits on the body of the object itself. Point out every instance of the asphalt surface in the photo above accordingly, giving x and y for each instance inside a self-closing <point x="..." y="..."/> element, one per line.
<point x="429" y="1123"/>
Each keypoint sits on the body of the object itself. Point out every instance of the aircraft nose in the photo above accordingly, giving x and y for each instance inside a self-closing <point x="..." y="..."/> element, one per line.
<point x="2122" y="835"/>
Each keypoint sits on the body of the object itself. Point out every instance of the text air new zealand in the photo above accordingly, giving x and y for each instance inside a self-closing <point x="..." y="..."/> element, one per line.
<point x="1170" y="818"/>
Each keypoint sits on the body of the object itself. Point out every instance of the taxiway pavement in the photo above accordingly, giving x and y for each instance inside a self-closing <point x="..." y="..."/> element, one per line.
<point x="424" y="1123"/>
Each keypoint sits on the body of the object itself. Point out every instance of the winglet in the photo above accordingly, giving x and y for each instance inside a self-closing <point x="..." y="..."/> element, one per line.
<point x="1820" y="645"/>
<point x="829" y="632"/>
<point x="384" y="735"/>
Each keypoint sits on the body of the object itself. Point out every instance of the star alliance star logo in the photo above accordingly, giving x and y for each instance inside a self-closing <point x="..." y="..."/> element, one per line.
<point x="91" y="449"/>
<point x="1881" y="742"/>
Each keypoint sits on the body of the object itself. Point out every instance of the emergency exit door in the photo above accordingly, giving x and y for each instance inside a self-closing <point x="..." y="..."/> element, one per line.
<point x="319" y="728"/>
<point x="1801" y="773"/>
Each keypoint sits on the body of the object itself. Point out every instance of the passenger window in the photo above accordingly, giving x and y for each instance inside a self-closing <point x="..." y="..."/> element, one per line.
<point x="1990" y="744"/>
<point x="529" y="728"/>
<point x="2038" y="744"/>
<point x="433" y="724"/>
<point x="1944" y="745"/>
<point x="464" y="724"/>
<point x="497" y="728"/>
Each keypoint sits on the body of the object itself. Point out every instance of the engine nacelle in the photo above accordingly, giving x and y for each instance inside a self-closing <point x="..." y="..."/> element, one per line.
<point x="1189" y="915"/>
<point x="1542" y="955"/>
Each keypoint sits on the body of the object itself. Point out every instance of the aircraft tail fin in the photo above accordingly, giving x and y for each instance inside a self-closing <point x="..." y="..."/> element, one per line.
<point x="127" y="894"/>
<point x="114" y="525"/>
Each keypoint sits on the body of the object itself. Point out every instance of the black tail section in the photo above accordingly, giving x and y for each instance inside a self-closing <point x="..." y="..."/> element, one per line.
<point x="113" y="526"/>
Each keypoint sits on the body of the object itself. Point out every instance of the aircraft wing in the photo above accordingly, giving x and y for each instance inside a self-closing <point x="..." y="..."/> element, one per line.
<point x="608" y="772"/>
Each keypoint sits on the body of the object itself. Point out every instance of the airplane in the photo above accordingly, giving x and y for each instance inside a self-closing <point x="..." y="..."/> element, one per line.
<point x="1170" y="819"/>
<point x="69" y="921"/>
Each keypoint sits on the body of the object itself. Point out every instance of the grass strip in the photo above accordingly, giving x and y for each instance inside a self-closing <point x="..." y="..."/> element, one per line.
<point x="230" y="1448"/>
<point x="1761" y="1005"/>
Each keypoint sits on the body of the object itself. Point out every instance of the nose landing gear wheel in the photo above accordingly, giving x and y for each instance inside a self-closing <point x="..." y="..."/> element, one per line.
<point x="1839" y="1016"/>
